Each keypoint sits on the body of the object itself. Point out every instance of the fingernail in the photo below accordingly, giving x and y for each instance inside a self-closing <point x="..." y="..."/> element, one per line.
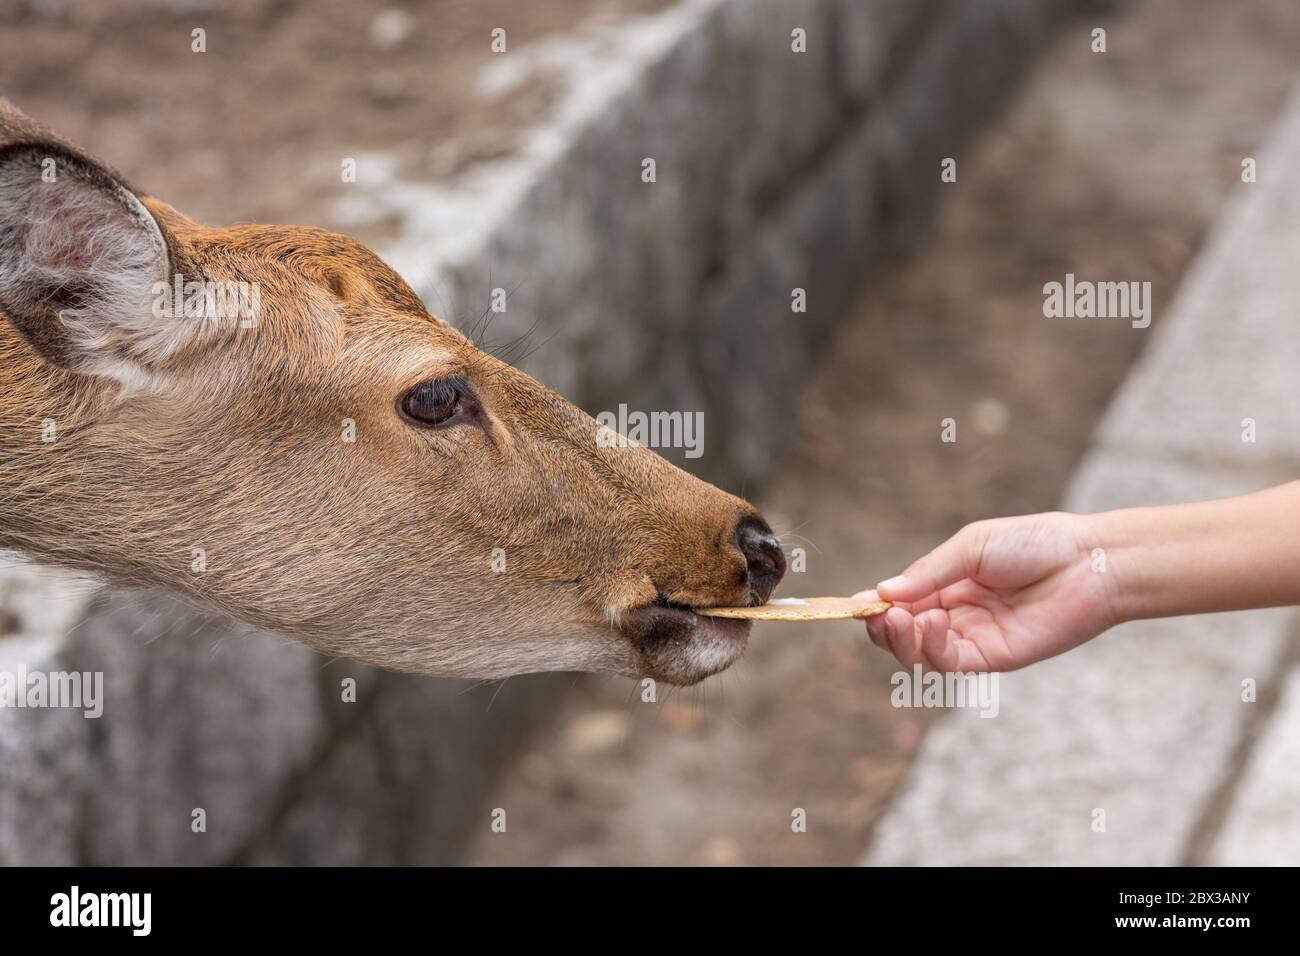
<point x="868" y="595"/>
<point x="898" y="581"/>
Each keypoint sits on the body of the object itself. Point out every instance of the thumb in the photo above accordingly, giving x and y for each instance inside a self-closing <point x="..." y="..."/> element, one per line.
<point x="956" y="559"/>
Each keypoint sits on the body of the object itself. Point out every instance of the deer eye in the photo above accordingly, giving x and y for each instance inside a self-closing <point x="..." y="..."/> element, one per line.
<point x="436" y="403"/>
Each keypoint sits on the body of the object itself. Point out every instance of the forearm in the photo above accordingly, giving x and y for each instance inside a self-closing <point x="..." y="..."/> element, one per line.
<point x="1221" y="555"/>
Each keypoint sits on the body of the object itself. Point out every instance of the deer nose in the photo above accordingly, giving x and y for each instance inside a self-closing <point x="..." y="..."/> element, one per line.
<point x="763" y="556"/>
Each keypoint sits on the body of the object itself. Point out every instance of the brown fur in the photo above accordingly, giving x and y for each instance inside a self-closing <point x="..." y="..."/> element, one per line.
<point x="380" y="549"/>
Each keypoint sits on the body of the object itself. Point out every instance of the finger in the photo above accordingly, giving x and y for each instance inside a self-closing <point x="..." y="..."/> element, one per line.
<point x="967" y="656"/>
<point x="955" y="559"/>
<point x="965" y="617"/>
<point x="870" y="595"/>
<point x="875" y="622"/>
<point x="935" y="644"/>
<point x="915" y="607"/>
<point x="963" y="593"/>
<point x="901" y="636"/>
<point x="876" y="631"/>
<point x="925" y="604"/>
<point x="867" y="595"/>
<point x="955" y="651"/>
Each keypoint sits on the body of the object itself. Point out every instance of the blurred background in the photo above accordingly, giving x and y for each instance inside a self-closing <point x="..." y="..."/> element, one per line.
<point x="519" y="166"/>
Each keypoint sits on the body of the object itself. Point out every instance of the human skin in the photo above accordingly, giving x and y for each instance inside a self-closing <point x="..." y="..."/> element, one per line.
<point x="1008" y="592"/>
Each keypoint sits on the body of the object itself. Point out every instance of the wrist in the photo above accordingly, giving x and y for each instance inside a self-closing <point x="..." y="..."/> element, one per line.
<point x="1198" y="558"/>
<point x="1108" y="544"/>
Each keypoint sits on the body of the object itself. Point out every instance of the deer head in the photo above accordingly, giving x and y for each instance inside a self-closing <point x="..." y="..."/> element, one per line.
<point x="329" y="461"/>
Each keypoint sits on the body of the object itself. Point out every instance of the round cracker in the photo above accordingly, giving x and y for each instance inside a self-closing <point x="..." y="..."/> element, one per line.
<point x="802" y="609"/>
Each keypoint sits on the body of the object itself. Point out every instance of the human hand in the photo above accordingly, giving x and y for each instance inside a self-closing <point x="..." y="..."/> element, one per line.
<point x="997" y="596"/>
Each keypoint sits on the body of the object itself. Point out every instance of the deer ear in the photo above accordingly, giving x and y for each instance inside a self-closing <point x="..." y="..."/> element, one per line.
<point x="81" y="259"/>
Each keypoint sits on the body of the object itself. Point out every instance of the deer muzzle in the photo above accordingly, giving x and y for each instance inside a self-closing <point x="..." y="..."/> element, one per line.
<point x="674" y="644"/>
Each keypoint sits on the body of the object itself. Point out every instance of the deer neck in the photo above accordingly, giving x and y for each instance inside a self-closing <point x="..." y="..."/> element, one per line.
<point x="39" y="472"/>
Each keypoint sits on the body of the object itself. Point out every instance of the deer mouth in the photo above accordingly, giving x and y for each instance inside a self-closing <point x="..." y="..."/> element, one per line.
<point x="674" y="644"/>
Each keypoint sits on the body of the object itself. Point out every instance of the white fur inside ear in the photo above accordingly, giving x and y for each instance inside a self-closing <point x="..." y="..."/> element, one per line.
<point x="87" y="255"/>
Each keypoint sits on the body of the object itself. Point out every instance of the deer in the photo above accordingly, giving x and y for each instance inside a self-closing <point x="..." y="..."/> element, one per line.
<point x="343" y="468"/>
